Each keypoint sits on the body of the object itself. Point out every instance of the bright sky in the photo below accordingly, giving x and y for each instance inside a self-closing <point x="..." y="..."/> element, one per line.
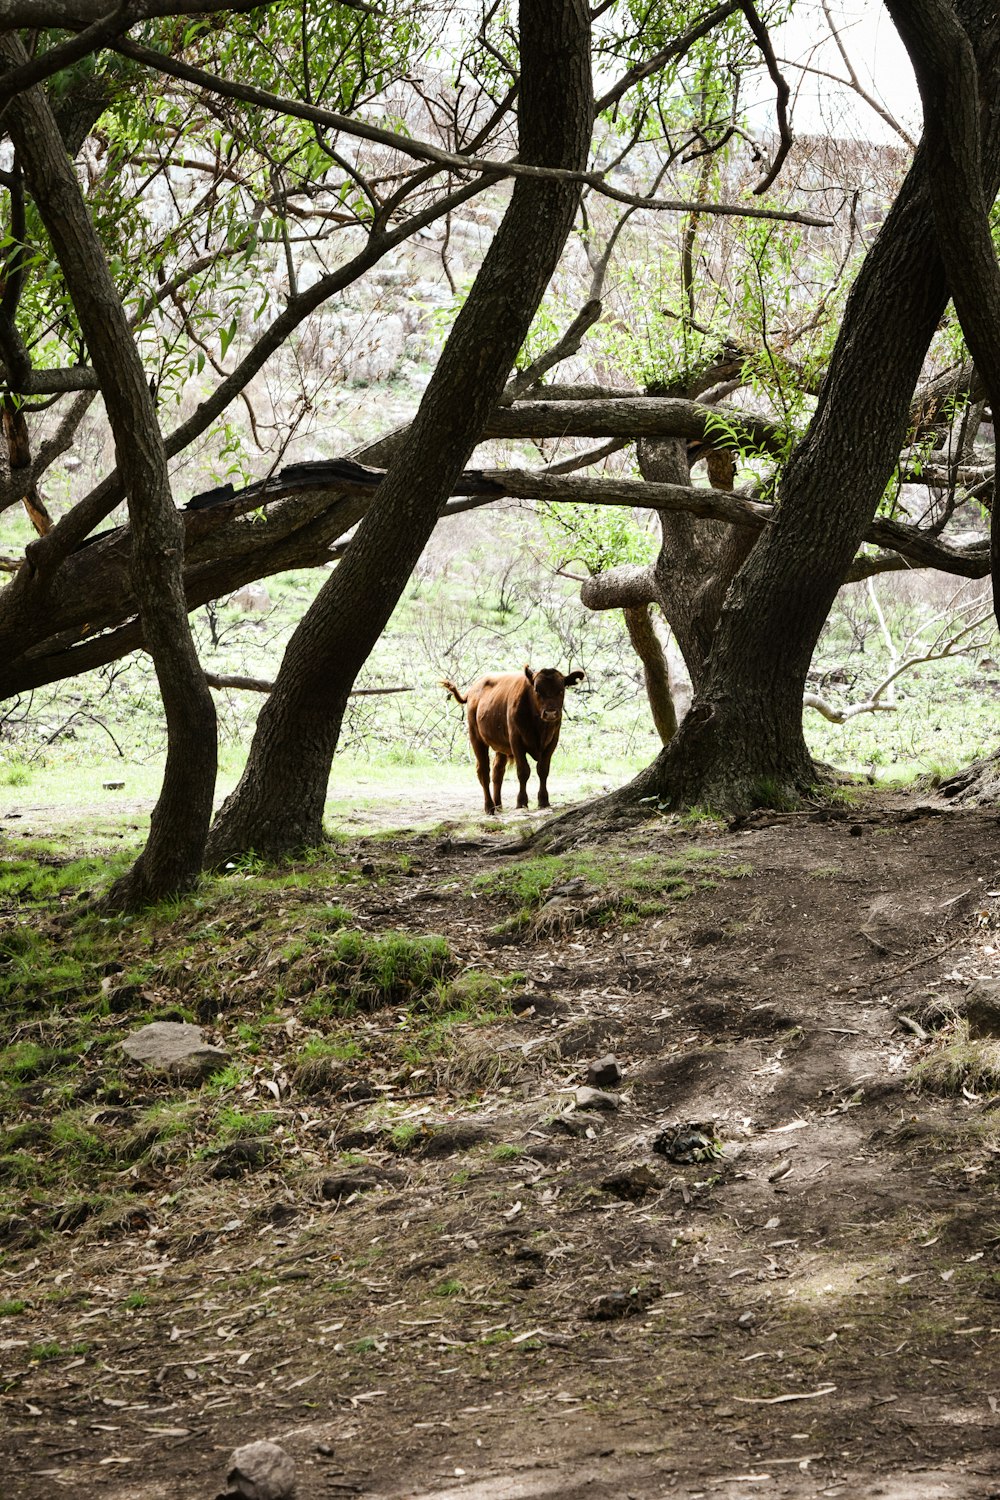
<point x="879" y="60"/>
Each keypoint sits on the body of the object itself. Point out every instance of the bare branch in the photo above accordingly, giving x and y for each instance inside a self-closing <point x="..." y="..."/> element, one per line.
<point x="676" y="48"/>
<point x="260" y="685"/>
<point x="564" y="348"/>
<point x="425" y="151"/>
<point x="781" y="89"/>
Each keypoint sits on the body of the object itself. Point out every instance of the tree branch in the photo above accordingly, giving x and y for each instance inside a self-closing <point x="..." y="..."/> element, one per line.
<point x="426" y="152"/>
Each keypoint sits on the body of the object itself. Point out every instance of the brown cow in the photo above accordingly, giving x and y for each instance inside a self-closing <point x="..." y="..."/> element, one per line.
<point x="515" y="714"/>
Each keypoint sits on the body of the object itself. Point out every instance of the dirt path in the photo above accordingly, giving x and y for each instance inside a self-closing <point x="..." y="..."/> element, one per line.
<point x="518" y="1298"/>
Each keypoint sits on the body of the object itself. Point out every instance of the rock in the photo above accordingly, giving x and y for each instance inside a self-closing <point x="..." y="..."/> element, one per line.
<point x="112" y="786"/>
<point x="981" y="1008"/>
<point x="261" y="1471"/>
<point x="252" y="598"/>
<point x="633" y="1184"/>
<point x="588" y="1098"/>
<point x="604" y="1073"/>
<point x="176" y="1048"/>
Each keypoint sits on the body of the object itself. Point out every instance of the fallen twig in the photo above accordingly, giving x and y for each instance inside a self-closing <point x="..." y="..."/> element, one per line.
<point x="824" y="1390"/>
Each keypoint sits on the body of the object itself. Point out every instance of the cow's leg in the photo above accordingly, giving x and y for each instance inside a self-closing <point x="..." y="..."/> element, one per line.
<point x="481" y="751"/>
<point x="499" y="767"/>
<point x="544" y="761"/>
<point x="523" y="772"/>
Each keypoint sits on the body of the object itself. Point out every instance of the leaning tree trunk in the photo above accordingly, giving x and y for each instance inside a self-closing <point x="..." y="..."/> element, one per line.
<point x="655" y="670"/>
<point x="172" y="857"/>
<point x="742" y="742"/>
<point x="278" y="805"/>
<point x="953" y="90"/>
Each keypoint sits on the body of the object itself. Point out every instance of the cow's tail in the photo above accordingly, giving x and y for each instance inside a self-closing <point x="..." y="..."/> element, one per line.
<point x="453" y="690"/>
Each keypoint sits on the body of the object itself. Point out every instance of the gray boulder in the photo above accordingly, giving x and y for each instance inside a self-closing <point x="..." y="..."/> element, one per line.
<point x="175" y="1048"/>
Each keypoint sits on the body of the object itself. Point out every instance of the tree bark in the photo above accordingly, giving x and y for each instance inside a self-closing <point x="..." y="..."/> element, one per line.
<point x="172" y="857"/>
<point x="655" y="670"/>
<point x="742" y="744"/>
<point x="953" y="92"/>
<point x="278" y="805"/>
<point x="953" y="96"/>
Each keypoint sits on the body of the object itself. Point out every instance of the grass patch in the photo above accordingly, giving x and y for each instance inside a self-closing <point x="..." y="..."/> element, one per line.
<point x="590" y="888"/>
<point x="505" y="1152"/>
<point x="959" y="1062"/>
<point x="236" y="1125"/>
<point x="369" y="972"/>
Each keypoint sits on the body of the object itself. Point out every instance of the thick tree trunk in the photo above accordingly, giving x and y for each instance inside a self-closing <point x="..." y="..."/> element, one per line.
<point x="278" y="805"/>
<point x="172" y="857"/>
<point x="953" y="93"/>
<point x="742" y="742"/>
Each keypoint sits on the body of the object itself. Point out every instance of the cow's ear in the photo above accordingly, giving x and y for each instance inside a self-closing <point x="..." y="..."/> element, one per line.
<point x="574" y="677"/>
<point x="529" y="673"/>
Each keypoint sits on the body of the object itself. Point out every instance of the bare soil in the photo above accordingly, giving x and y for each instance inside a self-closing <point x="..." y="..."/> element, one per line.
<point x="521" y="1298"/>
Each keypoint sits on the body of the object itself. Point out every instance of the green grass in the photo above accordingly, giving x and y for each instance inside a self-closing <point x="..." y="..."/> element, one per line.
<point x="506" y="1152"/>
<point x="958" y="1061"/>
<point x="622" y="883"/>
<point x="235" y="1124"/>
<point x="366" y="972"/>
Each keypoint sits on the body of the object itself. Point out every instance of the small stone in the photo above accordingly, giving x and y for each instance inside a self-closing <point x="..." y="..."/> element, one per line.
<point x="176" y="1048"/>
<point x="588" y="1098"/>
<point x="261" y="1471"/>
<point x="604" y="1073"/>
<point x="112" y="786"/>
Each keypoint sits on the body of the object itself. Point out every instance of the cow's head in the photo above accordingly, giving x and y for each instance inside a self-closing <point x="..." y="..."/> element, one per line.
<point x="548" y="689"/>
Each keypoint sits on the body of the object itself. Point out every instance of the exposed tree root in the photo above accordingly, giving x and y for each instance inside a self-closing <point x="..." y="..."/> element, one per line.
<point x="977" y="786"/>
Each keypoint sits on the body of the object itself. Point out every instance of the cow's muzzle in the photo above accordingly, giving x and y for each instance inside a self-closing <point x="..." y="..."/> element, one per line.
<point x="551" y="715"/>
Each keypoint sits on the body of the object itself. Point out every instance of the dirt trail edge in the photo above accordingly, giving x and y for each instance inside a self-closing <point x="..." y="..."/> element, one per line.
<point x="467" y="1281"/>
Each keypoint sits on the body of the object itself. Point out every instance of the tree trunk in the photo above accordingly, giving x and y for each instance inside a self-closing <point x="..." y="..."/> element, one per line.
<point x="278" y="805"/>
<point x="953" y="90"/>
<point x="742" y="743"/>
<point x="655" y="670"/>
<point x="172" y="857"/>
<point x="953" y="94"/>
